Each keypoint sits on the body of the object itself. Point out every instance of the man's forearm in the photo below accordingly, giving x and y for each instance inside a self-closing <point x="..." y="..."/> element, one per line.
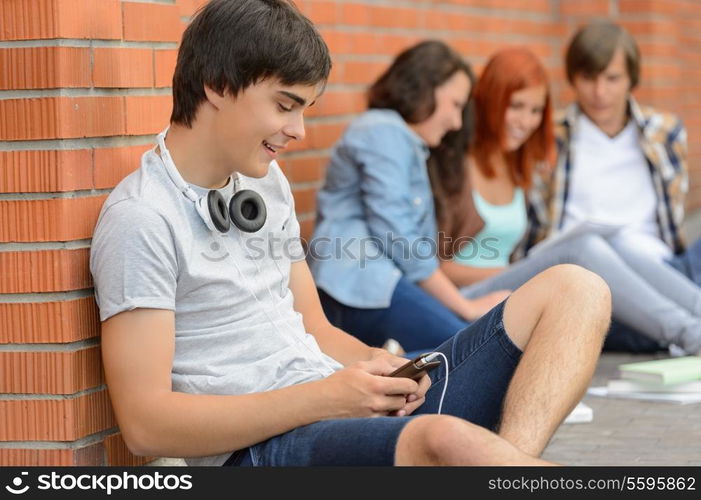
<point x="178" y="424"/>
<point x="341" y="346"/>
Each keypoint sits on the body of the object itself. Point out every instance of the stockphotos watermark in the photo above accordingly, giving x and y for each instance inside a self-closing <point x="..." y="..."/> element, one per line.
<point x="106" y="483"/>
<point x="362" y="250"/>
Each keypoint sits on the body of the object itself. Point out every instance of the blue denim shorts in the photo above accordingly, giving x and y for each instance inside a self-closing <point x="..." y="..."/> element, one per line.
<point x="482" y="359"/>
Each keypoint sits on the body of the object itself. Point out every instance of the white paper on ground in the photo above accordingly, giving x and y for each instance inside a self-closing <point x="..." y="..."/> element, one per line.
<point x="580" y="415"/>
<point x="677" y="397"/>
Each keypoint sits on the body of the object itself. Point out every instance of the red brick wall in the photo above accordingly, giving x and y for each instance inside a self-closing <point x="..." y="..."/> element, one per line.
<point x="84" y="85"/>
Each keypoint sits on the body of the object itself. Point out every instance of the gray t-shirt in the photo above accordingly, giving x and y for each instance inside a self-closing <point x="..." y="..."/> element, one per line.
<point x="236" y="331"/>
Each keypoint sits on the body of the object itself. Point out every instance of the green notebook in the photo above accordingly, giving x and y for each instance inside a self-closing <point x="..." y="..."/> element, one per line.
<point x="665" y="371"/>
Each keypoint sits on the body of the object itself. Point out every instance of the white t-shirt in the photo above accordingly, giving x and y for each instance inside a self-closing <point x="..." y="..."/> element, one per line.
<point x="611" y="182"/>
<point x="236" y="329"/>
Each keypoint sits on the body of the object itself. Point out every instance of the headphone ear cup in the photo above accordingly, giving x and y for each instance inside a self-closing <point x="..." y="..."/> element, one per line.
<point x="216" y="207"/>
<point x="247" y="211"/>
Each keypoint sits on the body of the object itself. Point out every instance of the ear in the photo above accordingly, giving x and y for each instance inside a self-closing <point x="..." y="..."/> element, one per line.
<point x="214" y="97"/>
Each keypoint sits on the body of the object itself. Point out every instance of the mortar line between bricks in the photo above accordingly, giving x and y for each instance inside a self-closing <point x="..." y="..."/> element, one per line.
<point x="68" y="347"/>
<point x="6" y="95"/>
<point x="78" y="143"/>
<point x="45" y="245"/>
<point x="461" y="9"/>
<point x="51" y="397"/>
<point x="60" y="445"/>
<point x="39" y="298"/>
<point x="68" y="195"/>
<point x="162" y="2"/>
<point x="85" y="44"/>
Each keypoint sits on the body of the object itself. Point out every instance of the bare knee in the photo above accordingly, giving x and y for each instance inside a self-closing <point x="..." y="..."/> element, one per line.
<point x="578" y="285"/>
<point x="565" y="289"/>
<point x="442" y="440"/>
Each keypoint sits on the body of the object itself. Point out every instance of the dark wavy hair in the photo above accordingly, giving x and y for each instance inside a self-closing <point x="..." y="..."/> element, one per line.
<point x="232" y="44"/>
<point x="408" y="85"/>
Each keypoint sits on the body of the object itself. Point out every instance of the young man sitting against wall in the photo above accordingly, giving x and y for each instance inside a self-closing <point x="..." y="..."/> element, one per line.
<point x="221" y="354"/>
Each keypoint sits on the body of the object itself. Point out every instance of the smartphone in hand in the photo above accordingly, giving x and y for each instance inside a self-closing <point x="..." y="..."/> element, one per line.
<point x="416" y="368"/>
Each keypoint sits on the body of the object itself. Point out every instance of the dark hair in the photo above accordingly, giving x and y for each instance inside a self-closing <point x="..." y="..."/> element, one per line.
<point x="593" y="47"/>
<point x="232" y="44"/>
<point x="408" y="85"/>
<point x="445" y="164"/>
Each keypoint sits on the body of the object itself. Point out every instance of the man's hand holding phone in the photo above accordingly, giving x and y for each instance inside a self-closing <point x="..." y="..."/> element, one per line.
<point x="416" y="369"/>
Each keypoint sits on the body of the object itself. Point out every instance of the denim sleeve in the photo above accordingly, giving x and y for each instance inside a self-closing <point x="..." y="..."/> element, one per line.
<point x="388" y="159"/>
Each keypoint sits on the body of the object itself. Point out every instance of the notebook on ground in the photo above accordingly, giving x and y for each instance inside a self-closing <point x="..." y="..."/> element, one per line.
<point x="665" y="371"/>
<point x="624" y="386"/>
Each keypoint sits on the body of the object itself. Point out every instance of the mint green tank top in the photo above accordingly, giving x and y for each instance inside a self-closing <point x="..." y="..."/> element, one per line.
<point x="504" y="226"/>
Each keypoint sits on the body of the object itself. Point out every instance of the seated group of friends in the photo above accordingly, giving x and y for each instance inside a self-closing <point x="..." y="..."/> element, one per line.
<point x="226" y="342"/>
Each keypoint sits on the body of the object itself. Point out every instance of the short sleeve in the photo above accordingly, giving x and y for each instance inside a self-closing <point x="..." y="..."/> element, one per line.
<point x="133" y="260"/>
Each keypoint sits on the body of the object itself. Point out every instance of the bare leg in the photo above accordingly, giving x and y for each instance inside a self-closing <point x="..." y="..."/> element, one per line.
<point x="559" y="319"/>
<point x="447" y="440"/>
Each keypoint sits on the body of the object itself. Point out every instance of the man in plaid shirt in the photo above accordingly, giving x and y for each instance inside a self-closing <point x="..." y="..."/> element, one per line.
<point x="618" y="162"/>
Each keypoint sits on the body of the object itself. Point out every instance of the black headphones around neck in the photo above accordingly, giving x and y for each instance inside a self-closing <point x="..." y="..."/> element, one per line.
<point x="246" y="210"/>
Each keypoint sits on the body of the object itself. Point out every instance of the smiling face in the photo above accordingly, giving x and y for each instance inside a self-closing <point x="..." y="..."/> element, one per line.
<point x="450" y="97"/>
<point x="255" y="126"/>
<point x="524" y="114"/>
<point x="604" y="97"/>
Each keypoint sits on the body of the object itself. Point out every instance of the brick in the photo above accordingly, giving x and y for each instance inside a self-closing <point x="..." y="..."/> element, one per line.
<point x="321" y="12"/>
<point x="658" y="27"/>
<point x="89" y="19"/>
<point x="44" y="68"/>
<point x="651" y="72"/>
<point x="393" y="17"/>
<point x="165" y="67"/>
<point x="656" y="7"/>
<point x="147" y="114"/>
<point x="58" y="219"/>
<point x="589" y="8"/>
<point x="363" y="72"/>
<point x="61" y="118"/>
<point x="55" y="419"/>
<point x="37" y="19"/>
<point x="49" y="322"/>
<point x="667" y="50"/>
<point x="306" y="229"/>
<point x="119" y="455"/>
<point x="326" y="135"/>
<point x="187" y="8"/>
<point x="44" y="372"/>
<point x="536" y="6"/>
<point x="319" y="136"/>
<point x="304" y="169"/>
<point x="338" y="103"/>
<point x="113" y="164"/>
<point x="45" y="171"/>
<point x="44" y="271"/>
<point x="355" y="14"/>
<point x="337" y="41"/>
<point x="151" y="22"/>
<point x="86" y="456"/>
<point x="122" y="67"/>
<point x="305" y="200"/>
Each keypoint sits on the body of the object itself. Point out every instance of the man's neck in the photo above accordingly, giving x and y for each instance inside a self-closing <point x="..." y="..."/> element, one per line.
<point x="191" y="151"/>
<point x="614" y="128"/>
